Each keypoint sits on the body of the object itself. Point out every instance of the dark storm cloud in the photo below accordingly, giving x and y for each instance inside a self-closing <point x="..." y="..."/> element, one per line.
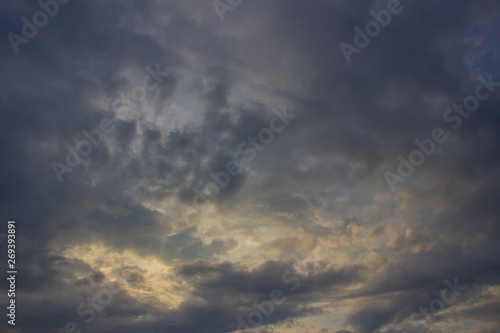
<point x="417" y="288"/>
<point x="75" y="59"/>
<point x="224" y="287"/>
<point x="353" y="121"/>
<point x="227" y="286"/>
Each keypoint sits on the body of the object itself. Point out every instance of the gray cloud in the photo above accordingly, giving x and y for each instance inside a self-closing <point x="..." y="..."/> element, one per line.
<point x="319" y="181"/>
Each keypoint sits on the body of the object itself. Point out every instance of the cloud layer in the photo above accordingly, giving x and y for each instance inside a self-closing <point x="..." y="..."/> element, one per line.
<point x="309" y="215"/>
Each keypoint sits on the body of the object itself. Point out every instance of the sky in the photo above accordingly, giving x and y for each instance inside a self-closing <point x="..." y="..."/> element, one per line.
<point x="323" y="166"/>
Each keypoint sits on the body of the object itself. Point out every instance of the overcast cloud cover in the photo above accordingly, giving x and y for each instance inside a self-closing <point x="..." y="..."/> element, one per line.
<point x="311" y="215"/>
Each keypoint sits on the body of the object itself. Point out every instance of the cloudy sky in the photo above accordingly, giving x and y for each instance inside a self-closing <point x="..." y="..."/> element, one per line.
<point x="323" y="166"/>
